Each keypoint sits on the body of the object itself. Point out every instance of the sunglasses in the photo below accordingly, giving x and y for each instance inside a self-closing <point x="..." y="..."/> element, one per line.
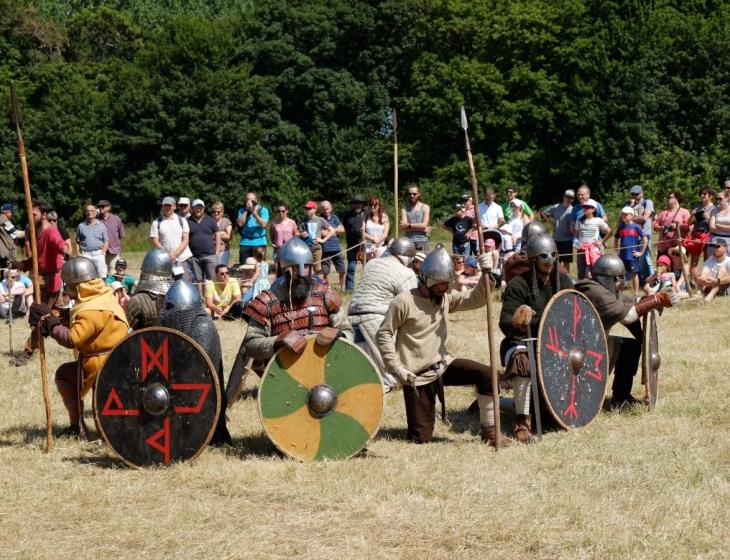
<point x="217" y="211"/>
<point x="412" y="194"/>
<point x="221" y="273"/>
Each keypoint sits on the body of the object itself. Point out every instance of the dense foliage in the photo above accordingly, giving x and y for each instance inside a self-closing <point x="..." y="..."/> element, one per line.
<point x="135" y="99"/>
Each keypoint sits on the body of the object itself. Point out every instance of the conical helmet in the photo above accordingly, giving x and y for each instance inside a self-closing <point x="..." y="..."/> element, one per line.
<point x="295" y="253"/>
<point x="437" y="267"/>
<point x="182" y="296"/>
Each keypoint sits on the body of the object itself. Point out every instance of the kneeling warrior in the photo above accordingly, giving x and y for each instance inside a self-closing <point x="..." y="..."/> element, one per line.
<point x="382" y="279"/>
<point x="145" y="306"/>
<point x="604" y="292"/>
<point x="96" y="324"/>
<point x="412" y="341"/>
<point x="525" y="299"/>
<point x="285" y="314"/>
<point x="184" y="312"/>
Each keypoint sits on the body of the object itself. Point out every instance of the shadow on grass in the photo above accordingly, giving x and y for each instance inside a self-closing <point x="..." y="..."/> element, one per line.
<point x="254" y="446"/>
<point x="27" y="435"/>
<point x="401" y="434"/>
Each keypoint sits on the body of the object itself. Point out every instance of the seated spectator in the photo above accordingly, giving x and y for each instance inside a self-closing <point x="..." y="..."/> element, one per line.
<point x="417" y="260"/>
<point x="246" y="273"/>
<point x="663" y="279"/>
<point x="715" y="276"/>
<point x="459" y="225"/>
<point x="223" y="295"/>
<point x="120" y="275"/>
<point x="470" y="276"/>
<point x="121" y="293"/>
<point x="458" y="264"/>
<point x="16" y="294"/>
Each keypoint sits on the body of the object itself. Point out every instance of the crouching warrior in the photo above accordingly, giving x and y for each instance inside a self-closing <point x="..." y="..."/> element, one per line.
<point x="604" y="292"/>
<point x="285" y="314"/>
<point x="525" y="299"/>
<point x="145" y="306"/>
<point x="96" y="324"/>
<point x="184" y="312"/>
<point x="412" y="341"/>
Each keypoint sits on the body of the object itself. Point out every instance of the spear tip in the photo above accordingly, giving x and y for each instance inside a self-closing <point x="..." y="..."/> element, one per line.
<point x="464" y="123"/>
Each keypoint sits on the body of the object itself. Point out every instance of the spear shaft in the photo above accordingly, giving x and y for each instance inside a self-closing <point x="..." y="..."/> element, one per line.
<point x="394" y="118"/>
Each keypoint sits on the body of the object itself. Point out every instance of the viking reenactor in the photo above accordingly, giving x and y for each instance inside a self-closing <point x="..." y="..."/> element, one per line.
<point x="285" y="314"/>
<point x="517" y="263"/>
<point x="96" y="324"/>
<point x="184" y="312"/>
<point x="148" y="301"/>
<point x="525" y="299"/>
<point x="382" y="279"/>
<point x="412" y="342"/>
<point x="604" y="292"/>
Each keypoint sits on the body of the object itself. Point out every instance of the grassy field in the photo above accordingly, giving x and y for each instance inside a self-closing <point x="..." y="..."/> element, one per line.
<point x="632" y="485"/>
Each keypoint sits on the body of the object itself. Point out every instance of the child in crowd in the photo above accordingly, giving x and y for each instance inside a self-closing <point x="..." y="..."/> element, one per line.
<point x="663" y="278"/>
<point x="631" y="242"/>
<point x="261" y="274"/>
<point x="591" y="233"/>
<point x="459" y="225"/>
<point x="470" y="276"/>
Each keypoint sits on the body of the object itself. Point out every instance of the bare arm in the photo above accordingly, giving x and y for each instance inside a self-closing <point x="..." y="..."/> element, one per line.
<point x="180" y="248"/>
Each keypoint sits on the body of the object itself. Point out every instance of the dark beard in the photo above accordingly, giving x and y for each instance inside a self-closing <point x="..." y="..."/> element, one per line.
<point x="300" y="288"/>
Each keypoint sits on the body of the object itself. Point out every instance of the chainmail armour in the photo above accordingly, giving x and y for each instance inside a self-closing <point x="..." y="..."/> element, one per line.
<point x="143" y="310"/>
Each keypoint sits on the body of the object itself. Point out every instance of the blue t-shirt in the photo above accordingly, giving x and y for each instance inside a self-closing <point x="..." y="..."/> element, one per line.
<point x="332" y="245"/>
<point x="629" y="240"/>
<point x="252" y="234"/>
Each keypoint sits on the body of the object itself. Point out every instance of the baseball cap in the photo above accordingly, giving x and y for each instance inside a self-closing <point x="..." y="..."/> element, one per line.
<point x="183" y="200"/>
<point x="590" y="202"/>
<point x="627" y="210"/>
<point x="665" y="260"/>
<point x="636" y="189"/>
<point x="516" y="203"/>
<point x="198" y="202"/>
<point x="103" y="202"/>
<point x="718" y="241"/>
<point x="420" y="256"/>
<point x="7" y="206"/>
<point x="168" y="200"/>
<point x="249" y="264"/>
<point x="471" y="261"/>
<point x="120" y="262"/>
<point x="465" y="197"/>
<point x="358" y="198"/>
<point x="116" y="285"/>
<point x="569" y="193"/>
<point x="458" y="206"/>
<point x="311" y="204"/>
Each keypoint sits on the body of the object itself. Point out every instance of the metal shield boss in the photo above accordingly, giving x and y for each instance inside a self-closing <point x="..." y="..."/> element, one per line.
<point x="572" y="359"/>
<point x="650" y="360"/>
<point x="325" y="403"/>
<point x="157" y="398"/>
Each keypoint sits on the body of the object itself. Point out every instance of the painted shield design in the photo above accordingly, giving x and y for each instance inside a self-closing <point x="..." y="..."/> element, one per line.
<point x="650" y="360"/>
<point x="572" y="359"/>
<point x="325" y="403"/>
<point x="157" y="398"/>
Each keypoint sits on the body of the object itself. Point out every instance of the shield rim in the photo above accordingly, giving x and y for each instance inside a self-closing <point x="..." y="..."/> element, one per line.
<point x="261" y="417"/>
<point x="214" y="375"/>
<point x="549" y="305"/>
<point x="650" y="398"/>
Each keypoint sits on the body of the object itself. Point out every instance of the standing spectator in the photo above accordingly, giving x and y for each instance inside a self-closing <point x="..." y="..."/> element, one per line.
<point x="223" y="294"/>
<point x="9" y="235"/>
<point x="171" y="233"/>
<point x="672" y="219"/>
<point x="516" y="222"/>
<point x="225" y="228"/>
<point x="560" y="214"/>
<point x="507" y="209"/>
<point x="120" y="275"/>
<point x="353" y="220"/>
<point x="331" y="251"/>
<point x="315" y="230"/>
<point x="726" y="186"/>
<point x="183" y="207"/>
<point x="632" y="243"/>
<point x="16" y="294"/>
<point x="592" y="232"/>
<point x="715" y="276"/>
<point x="460" y="226"/>
<point x="53" y="219"/>
<point x="203" y="242"/>
<point x="491" y="214"/>
<point x="643" y="215"/>
<point x="252" y="221"/>
<point x="699" y="233"/>
<point x="281" y="230"/>
<point x="114" y="230"/>
<point x="583" y="194"/>
<point x="92" y="240"/>
<point x="414" y="218"/>
<point x="720" y="218"/>
<point x="376" y="229"/>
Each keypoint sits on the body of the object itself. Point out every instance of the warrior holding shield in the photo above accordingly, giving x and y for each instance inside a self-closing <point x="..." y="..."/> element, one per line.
<point x="145" y="306"/>
<point x="96" y="324"/>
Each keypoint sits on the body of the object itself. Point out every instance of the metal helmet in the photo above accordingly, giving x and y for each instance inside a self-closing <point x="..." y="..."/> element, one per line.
<point x="182" y="296"/>
<point x="77" y="270"/>
<point x="541" y="247"/>
<point x="532" y="228"/>
<point x="437" y="267"/>
<point x="295" y="253"/>
<point x="156" y="275"/>
<point x="608" y="270"/>
<point x="403" y="247"/>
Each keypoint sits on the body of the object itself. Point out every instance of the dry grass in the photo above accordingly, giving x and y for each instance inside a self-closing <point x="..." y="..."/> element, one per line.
<point x="640" y="485"/>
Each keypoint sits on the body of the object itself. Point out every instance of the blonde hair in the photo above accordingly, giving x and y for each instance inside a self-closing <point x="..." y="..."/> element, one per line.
<point x="217" y="206"/>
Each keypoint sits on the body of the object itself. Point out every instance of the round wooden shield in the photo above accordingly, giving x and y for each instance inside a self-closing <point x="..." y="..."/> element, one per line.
<point x="572" y="359"/>
<point x="157" y="398"/>
<point x="650" y="360"/>
<point x="325" y="403"/>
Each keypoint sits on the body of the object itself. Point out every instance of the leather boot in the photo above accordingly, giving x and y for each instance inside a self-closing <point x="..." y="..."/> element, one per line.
<point x="489" y="436"/>
<point x="523" y="428"/>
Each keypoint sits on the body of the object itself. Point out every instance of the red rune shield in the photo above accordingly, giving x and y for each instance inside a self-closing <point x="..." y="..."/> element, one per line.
<point x="650" y="360"/>
<point x="157" y="398"/>
<point x="572" y="359"/>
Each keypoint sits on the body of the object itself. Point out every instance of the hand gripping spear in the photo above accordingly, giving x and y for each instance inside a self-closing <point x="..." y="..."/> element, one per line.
<point x="394" y="121"/>
<point x="34" y="252"/>
<point x="493" y="356"/>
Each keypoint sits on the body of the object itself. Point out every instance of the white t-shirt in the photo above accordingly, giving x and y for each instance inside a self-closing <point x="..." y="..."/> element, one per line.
<point x="588" y="229"/>
<point x="170" y="232"/>
<point x="491" y="216"/>
<point x="713" y="269"/>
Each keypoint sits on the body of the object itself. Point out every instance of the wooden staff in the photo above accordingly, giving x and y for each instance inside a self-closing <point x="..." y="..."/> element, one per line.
<point x="493" y="355"/>
<point x="394" y="120"/>
<point x="34" y="252"/>
<point x="684" y="259"/>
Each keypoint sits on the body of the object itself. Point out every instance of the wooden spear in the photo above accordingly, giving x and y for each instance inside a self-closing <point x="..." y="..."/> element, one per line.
<point x="493" y="355"/>
<point x="394" y="119"/>
<point x="34" y="252"/>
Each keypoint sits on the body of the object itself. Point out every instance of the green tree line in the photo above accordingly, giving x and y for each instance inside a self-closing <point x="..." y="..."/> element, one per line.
<point x="135" y="99"/>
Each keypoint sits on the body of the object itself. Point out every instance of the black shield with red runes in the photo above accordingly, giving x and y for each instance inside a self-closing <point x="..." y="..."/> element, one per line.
<point x="650" y="360"/>
<point x="572" y="358"/>
<point x="157" y="398"/>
